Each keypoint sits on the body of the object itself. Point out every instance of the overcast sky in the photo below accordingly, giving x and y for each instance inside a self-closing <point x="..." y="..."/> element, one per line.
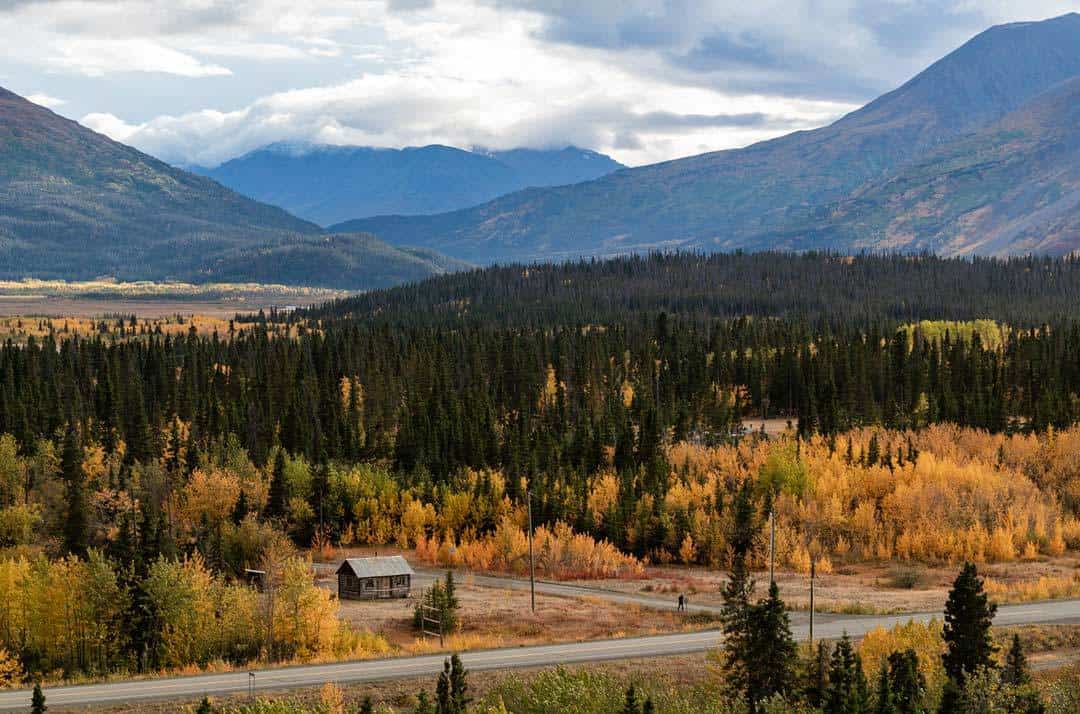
<point x="201" y="81"/>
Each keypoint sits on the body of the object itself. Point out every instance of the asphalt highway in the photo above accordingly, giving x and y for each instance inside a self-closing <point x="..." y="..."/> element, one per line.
<point x="195" y="687"/>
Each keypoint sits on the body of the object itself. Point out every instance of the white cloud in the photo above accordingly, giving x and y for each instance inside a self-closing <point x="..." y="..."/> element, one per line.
<point x="98" y="57"/>
<point x="644" y="80"/>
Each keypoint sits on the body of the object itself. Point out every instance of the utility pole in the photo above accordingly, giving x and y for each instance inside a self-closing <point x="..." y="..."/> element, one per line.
<point x="772" y="547"/>
<point x="813" y="572"/>
<point x="532" y="569"/>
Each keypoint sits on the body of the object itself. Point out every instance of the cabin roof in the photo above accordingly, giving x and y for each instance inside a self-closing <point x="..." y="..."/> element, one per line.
<point x="376" y="567"/>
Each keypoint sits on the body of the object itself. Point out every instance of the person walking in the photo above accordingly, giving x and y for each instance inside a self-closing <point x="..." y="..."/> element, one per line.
<point x="682" y="603"/>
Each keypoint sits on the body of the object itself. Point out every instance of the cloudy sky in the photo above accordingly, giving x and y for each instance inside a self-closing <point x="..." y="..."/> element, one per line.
<point x="201" y="81"/>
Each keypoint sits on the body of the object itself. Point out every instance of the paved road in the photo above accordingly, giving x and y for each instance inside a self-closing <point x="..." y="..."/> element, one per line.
<point x="188" y="688"/>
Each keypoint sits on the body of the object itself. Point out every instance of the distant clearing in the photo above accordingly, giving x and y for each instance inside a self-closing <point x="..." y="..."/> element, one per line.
<point x="58" y="298"/>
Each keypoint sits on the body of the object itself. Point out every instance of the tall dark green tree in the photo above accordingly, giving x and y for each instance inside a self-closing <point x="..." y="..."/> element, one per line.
<point x="278" y="500"/>
<point x="906" y="681"/>
<point x="76" y="528"/>
<point x="847" y="689"/>
<point x="1015" y="672"/>
<point x="37" y="700"/>
<point x="968" y="617"/>
<point x="884" y="701"/>
<point x="771" y="654"/>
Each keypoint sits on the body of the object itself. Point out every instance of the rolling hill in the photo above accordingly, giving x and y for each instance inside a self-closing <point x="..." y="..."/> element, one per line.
<point x="328" y="184"/>
<point x="771" y="194"/>
<point x="77" y="205"/>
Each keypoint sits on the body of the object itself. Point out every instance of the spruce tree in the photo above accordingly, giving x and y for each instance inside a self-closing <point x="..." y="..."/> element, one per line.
<point x="366" y="707"/>
<point x="906" y="681"/>
<point x="76" y="529"/>
<point x="951" y="699"/>
<point x="968" y="616"/>
<point x="816" y="674"/>
<point x="37" y="700"/>
<point x="205" y="707"/>
<point x="847" y="689"/>
<point x="277" y="502"/>
<point x="884" y="702"/>
<point x="735" y="614"/>
<point x="771" y="654"/>
<point x="630" y="703"/>
<point x="459" y="685"/>
<point x="1015" y="671"/>
<point x="423" y="704"/>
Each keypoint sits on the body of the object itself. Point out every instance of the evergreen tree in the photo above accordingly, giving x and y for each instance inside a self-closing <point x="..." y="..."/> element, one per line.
<point x="816" y="674"/>
<point x="366" y="707"/>
<point x="906" y="681"/>
<point x="76" y="528"/>
<point x="1015" y="672"/>
<point x="735" y="614"/>
<point x="444" y="703"/>
<point x="423" y="704"/>
<point x="205" y="707"/>
<point x="968" y="616"/>
<point x="847" y="689"/>
<point x="630" y="703"/>
<point x="771" y="654"/>
<point x="277" y="503"/>
<point x="884" y="702"/>
<point x="459" y="685"/>
<point x="648" y="707"/>
<point x="951" y="699"/>
<point x="37" y="700"/>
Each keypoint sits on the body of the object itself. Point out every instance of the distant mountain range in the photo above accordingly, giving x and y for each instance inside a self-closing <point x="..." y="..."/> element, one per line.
<point x="77" y="205"/>
<point x="978" y="154"/>
<point x="329" y="184"/>
<point x="986" y="137"/>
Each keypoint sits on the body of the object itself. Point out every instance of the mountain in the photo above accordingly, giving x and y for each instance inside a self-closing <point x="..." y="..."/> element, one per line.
<point x="327" y="184"/>
<point x="1010" y="188"/>
<point x="761" y="196"/>
<point x="77" y="205"/>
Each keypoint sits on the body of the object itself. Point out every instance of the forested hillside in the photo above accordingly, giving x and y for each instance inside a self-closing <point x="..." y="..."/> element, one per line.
<point x="818" y="288"/>
<point x="143" y="470"/>
<point x="76" y="205"/>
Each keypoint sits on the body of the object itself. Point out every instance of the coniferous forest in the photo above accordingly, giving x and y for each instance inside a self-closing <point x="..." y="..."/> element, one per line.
<point x="614" y="391"/>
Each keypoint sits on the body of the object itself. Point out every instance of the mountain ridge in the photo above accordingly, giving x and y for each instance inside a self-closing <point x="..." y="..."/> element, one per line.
<point x="743" y="198"/>
<point x="75" y="204"/>
<point x="329" y="184"/>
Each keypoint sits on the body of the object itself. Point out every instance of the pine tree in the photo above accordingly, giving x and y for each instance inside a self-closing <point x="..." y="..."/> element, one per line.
<point x="205" y="707"/>
<point x="951" y="699"/>
<point x="816" y="677"/>
<point x="968" y="616"/>
<point x="771" y="653"/>
<point x="735" y="614"/>
<point x="423" y="704"/>
<point x="459" y="685"/>
<point x="277" y="503"/>
<point x="884" y="702"/>
<point x="37" y="700"/>
<point x="76" y="529"/>
<point x="366" y="707"/>
<point x="906" y="681"/>
<point x="444" y="703"/>
<point x="630" y="703"/>
<point x="847" y="689"/>
<point x="1015" y="671"/>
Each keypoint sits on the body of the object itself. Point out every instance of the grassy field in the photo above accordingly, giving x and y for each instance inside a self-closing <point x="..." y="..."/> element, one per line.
<point x="58" y="298"/>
